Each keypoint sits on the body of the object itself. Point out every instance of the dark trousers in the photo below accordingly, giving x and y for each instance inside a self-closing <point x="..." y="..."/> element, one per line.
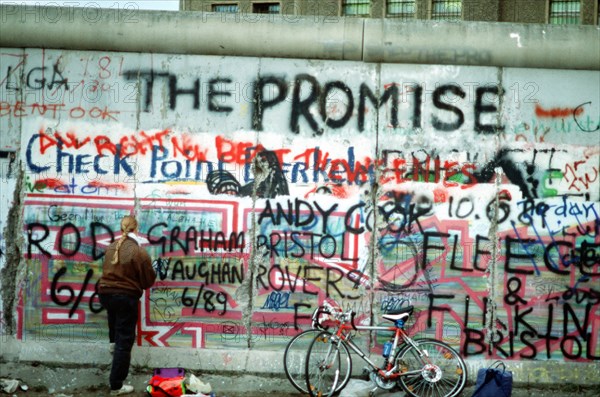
<point x="122" y="319"/>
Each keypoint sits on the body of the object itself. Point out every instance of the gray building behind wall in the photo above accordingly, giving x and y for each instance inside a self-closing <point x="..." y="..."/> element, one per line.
<point x="584" y="12"/>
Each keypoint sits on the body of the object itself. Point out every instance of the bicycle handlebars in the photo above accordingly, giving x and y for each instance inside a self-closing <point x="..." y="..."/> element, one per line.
<point x="352" y="316"/>
<point x="335" y="315"/>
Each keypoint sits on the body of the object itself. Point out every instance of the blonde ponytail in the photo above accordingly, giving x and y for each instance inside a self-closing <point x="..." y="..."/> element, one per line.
<point x="128" y="224"/>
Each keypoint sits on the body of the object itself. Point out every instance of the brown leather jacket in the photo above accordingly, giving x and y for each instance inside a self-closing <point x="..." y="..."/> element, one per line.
<point x="131" y="275"/>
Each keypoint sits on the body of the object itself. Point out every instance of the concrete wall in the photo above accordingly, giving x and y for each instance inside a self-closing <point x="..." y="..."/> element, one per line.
<point x="264" y="186"/>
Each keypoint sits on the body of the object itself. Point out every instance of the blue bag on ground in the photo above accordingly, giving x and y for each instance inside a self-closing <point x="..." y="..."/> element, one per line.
<point x="494" y="381"/>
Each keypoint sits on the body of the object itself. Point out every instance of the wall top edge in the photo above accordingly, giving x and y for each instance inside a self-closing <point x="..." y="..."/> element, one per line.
<point x="308" y="37"/>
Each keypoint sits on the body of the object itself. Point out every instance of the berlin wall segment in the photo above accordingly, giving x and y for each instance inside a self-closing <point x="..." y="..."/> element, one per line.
<point x="264" y="186"/>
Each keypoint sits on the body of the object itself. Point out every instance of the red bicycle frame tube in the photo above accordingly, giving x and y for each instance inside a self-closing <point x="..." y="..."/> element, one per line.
<point x="343" y="332"/>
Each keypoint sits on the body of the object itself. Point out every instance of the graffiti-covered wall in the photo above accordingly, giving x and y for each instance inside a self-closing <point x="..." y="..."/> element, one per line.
<point x="264" y="186"/>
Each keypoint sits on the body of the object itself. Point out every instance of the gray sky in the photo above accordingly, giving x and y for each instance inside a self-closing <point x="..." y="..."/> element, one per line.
<point x="172" y="5"/>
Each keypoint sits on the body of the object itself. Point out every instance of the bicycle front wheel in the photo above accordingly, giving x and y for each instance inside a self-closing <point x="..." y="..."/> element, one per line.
<point x="432" y="369"/>
<point x="324" y="366"/>
<point x="294" y="358"/>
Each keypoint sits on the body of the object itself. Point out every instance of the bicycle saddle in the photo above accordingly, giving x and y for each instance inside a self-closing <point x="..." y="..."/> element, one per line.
<point x="399" y="314"/>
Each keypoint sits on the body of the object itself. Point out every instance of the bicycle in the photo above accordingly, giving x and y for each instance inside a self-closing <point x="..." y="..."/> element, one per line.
<point x="421" y="367"/>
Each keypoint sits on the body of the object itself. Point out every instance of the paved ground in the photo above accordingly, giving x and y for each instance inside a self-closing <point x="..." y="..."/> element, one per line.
<point x="284" y="391"/>
<point x="519" y="392"/>
<point x="136" y="393"/>
<point x="45" y="381"/>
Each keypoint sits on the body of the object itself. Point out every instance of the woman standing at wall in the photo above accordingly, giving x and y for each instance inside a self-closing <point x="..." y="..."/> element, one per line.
<point x="126" y="273"/>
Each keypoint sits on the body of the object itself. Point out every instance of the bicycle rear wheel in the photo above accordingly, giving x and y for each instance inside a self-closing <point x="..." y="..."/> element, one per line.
<point x="440" y="370"/>
<point x="325" y="362"/>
